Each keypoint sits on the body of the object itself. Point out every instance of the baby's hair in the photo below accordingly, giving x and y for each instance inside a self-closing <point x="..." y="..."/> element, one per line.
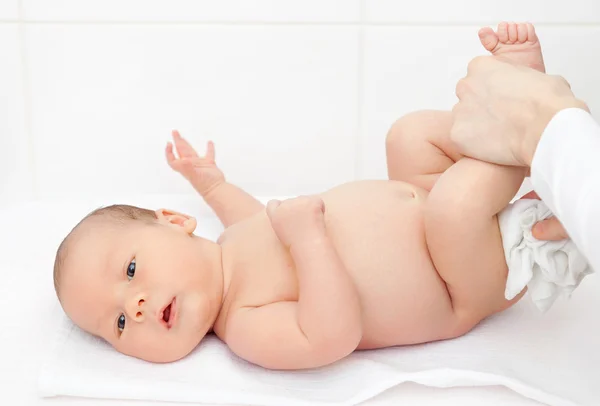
<point x="117" y="213"/>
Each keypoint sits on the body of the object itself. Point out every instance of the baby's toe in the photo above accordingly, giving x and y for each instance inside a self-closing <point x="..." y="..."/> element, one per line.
<point x="513" y="35"/>
<point x="522" y="33"/>
<point x="488" y="38"/>
<point x="531" y="35"/>
<point x="503" y="32"/>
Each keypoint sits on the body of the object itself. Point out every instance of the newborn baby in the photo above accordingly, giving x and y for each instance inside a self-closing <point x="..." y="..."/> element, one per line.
<point x="304" y="282"/>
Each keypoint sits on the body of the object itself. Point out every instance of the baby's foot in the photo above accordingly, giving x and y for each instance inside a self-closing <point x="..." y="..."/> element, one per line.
<point x="517" y="42"/>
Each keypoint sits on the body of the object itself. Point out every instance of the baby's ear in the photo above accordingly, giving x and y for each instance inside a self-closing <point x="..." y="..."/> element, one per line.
<point x="176" y="219"/>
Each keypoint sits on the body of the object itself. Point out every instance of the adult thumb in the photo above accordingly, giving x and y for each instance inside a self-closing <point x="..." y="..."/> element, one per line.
<point x="549" y="230"/>
<point x="271" y="206"/>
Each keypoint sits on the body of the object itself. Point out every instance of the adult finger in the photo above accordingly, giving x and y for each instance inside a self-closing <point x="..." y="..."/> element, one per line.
<point x="549" y="230"/>
<point x="461" y="89"/>
<point x="561" y="79"/>
<point x="271" y="206"/>
<point x="476" y="64"/>
<point x="531" y="195"/>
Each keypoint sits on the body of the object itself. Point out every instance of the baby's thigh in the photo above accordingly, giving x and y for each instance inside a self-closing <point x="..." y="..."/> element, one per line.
<point x="472" y="257"/>
<point x="464" y="237"/>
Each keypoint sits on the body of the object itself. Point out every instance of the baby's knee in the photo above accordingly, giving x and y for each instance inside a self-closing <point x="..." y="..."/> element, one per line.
<point x="466" y="319"/>
<point x="405" y="127"/>
<point x="415" y="126"/>
<point x="401" y="136"/>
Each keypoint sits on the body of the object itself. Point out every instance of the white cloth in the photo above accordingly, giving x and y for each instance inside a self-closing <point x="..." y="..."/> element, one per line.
<point x="549" y="269"/>
<point x="550" y="357"/>
<point x="565" y="173"/>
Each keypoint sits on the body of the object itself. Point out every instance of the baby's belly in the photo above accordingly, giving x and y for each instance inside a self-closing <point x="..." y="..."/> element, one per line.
<point x="378" y="230"/>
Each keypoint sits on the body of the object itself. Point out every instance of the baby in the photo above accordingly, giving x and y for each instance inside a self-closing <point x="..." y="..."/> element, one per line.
<point x="304" y="282"/>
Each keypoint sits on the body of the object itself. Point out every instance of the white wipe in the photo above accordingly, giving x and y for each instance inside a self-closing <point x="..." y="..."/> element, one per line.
<point x="549" y="269"/>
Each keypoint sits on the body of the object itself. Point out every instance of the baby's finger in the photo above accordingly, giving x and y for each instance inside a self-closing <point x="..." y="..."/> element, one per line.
<point x="184" y="149"/>
<point x="169" y="154"/>
<point x="183" y="166"/>
<point x="210" y="151"/>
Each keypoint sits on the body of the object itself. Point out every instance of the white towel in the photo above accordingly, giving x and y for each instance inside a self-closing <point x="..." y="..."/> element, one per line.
<point x="549" y="269"/>
<point x="550" y="357"/>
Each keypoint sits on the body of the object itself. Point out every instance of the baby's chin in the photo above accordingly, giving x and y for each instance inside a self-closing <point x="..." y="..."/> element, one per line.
<point x="173" y="351"/>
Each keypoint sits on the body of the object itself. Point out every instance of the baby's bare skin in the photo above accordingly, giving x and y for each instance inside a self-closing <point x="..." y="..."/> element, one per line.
<point x="377" y="229"/>
<point x="385" y="289"/>
<point x="423" y="267"/>
<point x="305" y="282"/>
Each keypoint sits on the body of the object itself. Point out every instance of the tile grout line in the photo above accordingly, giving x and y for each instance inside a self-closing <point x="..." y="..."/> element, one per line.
<point x="27" y="109"/>
<point x="361" y="23"/>
<point x="358" y="167"/>
<point x="361" y="26"/>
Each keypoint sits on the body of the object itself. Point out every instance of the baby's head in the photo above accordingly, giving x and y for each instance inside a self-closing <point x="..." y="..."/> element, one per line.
<point x="141" y="280"/>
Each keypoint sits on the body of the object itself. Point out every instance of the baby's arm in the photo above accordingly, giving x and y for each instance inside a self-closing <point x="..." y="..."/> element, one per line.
<point x="325" y="324"/>
<point x="464" y="238"/>
<point x="230" y="203"/>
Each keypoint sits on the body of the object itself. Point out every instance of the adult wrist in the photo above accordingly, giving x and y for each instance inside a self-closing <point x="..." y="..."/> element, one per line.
<point x="545" y="115"/>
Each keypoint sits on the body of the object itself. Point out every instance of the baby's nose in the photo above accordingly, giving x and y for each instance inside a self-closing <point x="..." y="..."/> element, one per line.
<point x="136" y="307"/>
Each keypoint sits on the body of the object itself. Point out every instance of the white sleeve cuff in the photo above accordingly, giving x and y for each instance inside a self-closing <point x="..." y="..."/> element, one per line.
<point x="565" y="173"/>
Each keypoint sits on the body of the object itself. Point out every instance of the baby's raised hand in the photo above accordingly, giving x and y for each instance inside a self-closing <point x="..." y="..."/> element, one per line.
<point x="201" y="171"/>
<point x="299" y="220"/>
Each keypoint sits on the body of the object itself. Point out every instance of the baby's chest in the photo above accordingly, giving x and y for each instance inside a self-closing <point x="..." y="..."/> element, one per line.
<point x="271" y="285"/>
<point x="265" y="270"/>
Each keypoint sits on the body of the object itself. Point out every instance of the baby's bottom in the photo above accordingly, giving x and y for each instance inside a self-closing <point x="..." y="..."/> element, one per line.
<point x="461" y="222"/>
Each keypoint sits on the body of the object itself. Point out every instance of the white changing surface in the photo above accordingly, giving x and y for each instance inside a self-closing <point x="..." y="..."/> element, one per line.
<point x="28" y="234"/>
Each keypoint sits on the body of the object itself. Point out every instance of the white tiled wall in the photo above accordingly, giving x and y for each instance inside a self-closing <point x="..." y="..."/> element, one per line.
<point x="481" y="11"/>
<point x="297" y="95"/>
<point x="9" y="10"/>
<point x="233" y="11"/>
<point x="277" y="103"/>
<point x="16" y="168"/>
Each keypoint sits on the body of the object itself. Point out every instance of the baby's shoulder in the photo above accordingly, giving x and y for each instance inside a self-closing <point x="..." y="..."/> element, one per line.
<point x="252" y="236"/>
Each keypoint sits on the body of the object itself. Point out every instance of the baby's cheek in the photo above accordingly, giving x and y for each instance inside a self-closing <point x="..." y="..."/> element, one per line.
<point x="155" y="346"/>
<point x="196" y="312"/>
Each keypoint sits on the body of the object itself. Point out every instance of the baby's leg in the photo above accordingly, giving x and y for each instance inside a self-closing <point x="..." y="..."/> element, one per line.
<point x="419" y="149"/>
<point x="464" y="238"/>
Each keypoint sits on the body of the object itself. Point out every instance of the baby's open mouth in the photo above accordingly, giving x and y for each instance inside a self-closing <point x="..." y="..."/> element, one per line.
<point x="168" y="314"/>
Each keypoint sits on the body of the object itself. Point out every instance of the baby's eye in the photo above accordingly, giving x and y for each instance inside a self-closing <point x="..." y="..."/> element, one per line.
<point x="121" y="323"/>
<point x="131" y="269"/>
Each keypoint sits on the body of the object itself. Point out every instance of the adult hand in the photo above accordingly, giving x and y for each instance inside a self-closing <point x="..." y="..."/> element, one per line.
<point x="547" y="230"/>
<point x="503" y="110"/>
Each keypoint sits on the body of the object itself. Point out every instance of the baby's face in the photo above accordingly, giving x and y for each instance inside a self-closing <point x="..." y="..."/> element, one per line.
<point x="150" y="290"/>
